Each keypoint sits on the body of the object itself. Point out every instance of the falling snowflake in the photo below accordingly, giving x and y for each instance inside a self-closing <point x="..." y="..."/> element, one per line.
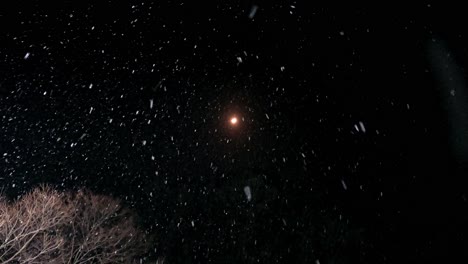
<point x="363" y="128"/>
<point x="253" y="11"/>
<point x="344" y="185"/>
<point x="247" y="192"/>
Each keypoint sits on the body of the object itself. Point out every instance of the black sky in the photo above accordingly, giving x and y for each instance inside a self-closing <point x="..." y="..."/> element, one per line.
<point x="351" y="139"/>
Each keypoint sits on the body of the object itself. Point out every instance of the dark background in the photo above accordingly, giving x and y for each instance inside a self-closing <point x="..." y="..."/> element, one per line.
<point x="76" y="112"/>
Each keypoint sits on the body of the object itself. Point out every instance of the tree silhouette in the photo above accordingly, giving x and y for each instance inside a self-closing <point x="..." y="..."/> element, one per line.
<point x="47" y="226"/>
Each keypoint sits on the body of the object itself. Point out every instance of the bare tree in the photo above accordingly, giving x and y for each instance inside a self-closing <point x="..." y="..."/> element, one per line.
<point x="46" y="226"/>
<point x="30" y="227"/>
<point x="101" y="231"/>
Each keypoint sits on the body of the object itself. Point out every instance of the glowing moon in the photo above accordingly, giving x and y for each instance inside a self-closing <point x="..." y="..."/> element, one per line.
<point x="234" y="120"/>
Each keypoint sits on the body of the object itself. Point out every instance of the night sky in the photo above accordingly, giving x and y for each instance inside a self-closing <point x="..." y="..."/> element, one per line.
<point x="351" y="140"/>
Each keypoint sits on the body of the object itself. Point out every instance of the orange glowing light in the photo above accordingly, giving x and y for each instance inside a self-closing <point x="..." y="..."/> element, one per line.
<point x="234" y="120"/>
